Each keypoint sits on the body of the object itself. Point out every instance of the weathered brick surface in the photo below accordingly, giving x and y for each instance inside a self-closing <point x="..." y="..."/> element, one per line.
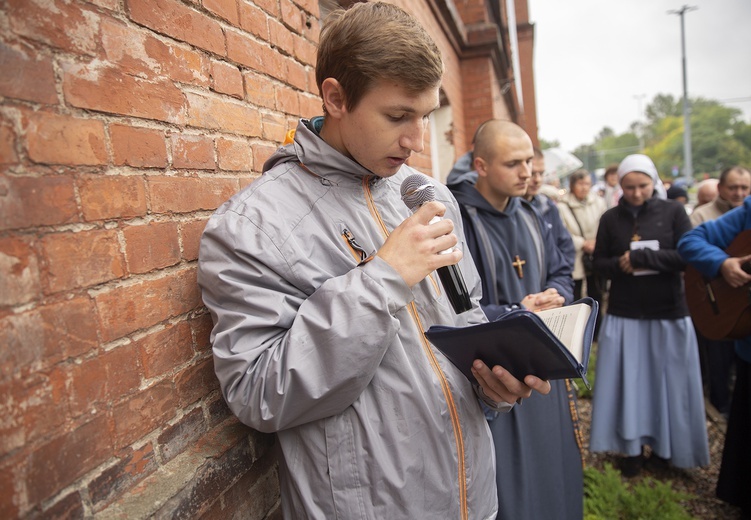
<point x="123" y="125"/>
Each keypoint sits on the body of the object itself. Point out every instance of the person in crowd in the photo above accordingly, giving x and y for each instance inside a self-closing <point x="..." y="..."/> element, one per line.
<point x="733" y="186"/>
<point x="547" y="208"/>
<point x="704" y="248"/>
<point x="580" y="210"/>
<point x="611" y="191"/>
<point x="648" y="390"/>
<point x="537" y="444"/>
<point x="320" y="283"/>
<point x="706" y="191"/>
<point x="718" y="356"/>
<point x="680" y="194"/>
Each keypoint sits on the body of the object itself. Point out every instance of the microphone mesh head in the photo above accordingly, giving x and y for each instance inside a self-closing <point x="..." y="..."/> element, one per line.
<point x="416" y="190"/>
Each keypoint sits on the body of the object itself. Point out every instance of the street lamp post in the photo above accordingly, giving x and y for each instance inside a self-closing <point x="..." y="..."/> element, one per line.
<point x="638" y="98"/>
<point x="688" y="168"/>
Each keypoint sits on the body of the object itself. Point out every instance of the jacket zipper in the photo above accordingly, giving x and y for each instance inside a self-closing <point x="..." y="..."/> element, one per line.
<point x="356" y="248"/>
<point x="453" y="412"/>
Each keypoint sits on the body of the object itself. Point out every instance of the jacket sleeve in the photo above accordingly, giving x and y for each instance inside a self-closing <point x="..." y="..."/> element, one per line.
<point x="704" y="246"/>
<point x="284" y="357"/>
<point x="559" y="268"/>
<point x="564" y="241"/>
<point x="605" y="262"/>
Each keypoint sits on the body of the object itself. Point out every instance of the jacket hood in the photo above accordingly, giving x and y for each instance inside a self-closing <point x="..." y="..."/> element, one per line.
<point x="467" y="195"/>
<point x="309" y="149"/>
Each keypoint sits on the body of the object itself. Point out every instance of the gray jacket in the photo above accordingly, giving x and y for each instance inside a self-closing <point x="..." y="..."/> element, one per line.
<point x="329" y="352"/>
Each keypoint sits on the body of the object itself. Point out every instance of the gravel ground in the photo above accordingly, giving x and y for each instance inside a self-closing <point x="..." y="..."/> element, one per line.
<point x="699" y="482"/>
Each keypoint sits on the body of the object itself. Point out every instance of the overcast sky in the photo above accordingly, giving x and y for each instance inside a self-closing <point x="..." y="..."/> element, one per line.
<point x="592" y="59"/>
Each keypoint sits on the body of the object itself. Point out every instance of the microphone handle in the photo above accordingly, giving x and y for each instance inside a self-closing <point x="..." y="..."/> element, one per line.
<point x="456" y="290"/>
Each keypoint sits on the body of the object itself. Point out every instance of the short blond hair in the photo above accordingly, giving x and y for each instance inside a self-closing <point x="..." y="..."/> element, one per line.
<point x="375" y="41"/>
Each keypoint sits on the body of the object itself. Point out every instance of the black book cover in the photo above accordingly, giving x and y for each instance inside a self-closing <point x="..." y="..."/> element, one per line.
<point x="520" y="342"/>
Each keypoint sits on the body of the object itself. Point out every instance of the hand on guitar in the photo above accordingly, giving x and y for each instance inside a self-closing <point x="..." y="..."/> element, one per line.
<point x="733" y="271"/>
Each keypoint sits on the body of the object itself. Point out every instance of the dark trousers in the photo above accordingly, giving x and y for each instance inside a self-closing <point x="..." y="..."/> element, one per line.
<point x="595" y="285"/>
<point x="717" y="359"/>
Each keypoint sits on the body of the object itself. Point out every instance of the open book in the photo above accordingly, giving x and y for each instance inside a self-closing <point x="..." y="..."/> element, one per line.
<point x="654" y="245"/>
<point x="550" y="344"/>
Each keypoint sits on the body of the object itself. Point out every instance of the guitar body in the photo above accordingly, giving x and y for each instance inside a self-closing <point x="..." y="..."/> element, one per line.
<point x="718" y="310"/>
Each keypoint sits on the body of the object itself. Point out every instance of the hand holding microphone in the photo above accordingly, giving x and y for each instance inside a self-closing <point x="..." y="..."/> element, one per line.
<point x="430" y="243"/>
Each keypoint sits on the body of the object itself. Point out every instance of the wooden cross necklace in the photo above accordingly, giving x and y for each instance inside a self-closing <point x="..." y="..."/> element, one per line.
<point x="518" y="263"/>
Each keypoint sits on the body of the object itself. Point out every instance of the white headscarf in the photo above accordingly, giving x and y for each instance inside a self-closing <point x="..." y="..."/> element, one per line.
<point x="641" y="163"/>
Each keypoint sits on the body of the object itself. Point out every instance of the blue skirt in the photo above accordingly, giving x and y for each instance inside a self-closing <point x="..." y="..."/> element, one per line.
<point x="648" y="391"/>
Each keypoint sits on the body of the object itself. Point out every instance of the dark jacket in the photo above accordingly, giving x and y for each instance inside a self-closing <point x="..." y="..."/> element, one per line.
<point x="658" y="296"/>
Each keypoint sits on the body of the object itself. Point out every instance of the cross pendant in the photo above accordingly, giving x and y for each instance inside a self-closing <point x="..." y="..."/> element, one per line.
<point x="518" y="263"/>
<point x="635" y="238"/>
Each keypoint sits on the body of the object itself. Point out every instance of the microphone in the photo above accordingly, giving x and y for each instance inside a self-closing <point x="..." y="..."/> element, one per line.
<point x="416" y="190"/>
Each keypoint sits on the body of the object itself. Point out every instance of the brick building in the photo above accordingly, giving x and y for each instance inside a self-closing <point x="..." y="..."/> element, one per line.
<point x="123" y="125"/>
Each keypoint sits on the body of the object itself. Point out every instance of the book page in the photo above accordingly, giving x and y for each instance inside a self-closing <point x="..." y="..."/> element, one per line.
<point x="568" y="324"/>
<point x="654" y="245"/>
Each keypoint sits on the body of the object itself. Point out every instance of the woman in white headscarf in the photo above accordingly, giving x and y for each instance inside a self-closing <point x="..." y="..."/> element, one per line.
<point x="648" y="390"/>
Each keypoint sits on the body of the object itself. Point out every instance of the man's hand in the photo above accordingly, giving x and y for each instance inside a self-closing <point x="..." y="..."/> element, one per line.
<point x="500" y="386"/>
<point x="548" y="299"/>
<point x="414" y="248"/>
<point x="733" y="273"/>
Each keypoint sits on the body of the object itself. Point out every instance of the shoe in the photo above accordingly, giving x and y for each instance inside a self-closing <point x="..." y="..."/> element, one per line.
<point x="657" y="463"/>
<point x="631" y="466"/>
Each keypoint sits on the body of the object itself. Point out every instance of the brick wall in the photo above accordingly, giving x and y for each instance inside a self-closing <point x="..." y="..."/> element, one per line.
<point x="123" y="125"/>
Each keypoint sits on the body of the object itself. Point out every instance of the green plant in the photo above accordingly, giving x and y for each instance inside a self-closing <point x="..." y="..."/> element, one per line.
<point x="581" y="389"/>
<point x="607" y="497"/>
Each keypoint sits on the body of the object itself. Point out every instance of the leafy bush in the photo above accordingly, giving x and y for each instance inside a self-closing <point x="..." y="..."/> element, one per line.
<point x="607" y="497"/>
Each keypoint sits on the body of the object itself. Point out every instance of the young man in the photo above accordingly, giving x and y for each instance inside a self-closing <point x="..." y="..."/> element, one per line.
<point x="320" y="283"/>
<point x="538" y="452"/>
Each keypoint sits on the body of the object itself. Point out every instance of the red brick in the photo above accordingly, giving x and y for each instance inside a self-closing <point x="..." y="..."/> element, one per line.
<point x="291" y="15"/>
<point x="185" y="432"/>
<point x="42" y="21"/>
<point x="60" y="462"/>
<point x="179" y="21"/>
<point x="135" y="49"/>
<point x="254" y="55"/>
<point x="192" y="151"/>
<point x="196" y="381"/>
<point x="131" y="467"/>
<point x="60" y="139"/>
<point x="227" y="79"/>
<point x="99" y="381"/>
<point x="162" y="351"/>
<point x="8" y="153"/>
<point x="201" y="326"/>
<point x="111" y="5"/>
<point x="184" y="194"/>
<point x="32" y="79"/>
<point x="36" y="201"/>
<point x="296" y="75"/>
<point x="222" y="114"/>
<point x="143" y="412"/>
<point x="280" y="37"/>
<point x="106" y="89"/>
<point x="132" y="307"/>
<point x="82" y="259"/>
<point x="151" y="246"/>
<point x="138" y="147"/>
<point x="20" y="282"/>
<point x="309" y="6"/>
<point x="109" y="197"/>
<point x="259" y="90"/>
<point x="234" y="154"/>
<point x="218" y="411"/>
<point x="261" y="152"/>
<point x="274" y="127"/>
<point x="226" y="9"/>
<point x="305" y="50"/>
<point x="270" y="6"/>
<point x="9" y="482"/>
<point x="32" y="408"/>
<point x="254" y="20"/>
<point x="310" y="106"/>
<point x="287" y="100"/>
<point x="40" y="338"/>
<point x="190" y="238"/>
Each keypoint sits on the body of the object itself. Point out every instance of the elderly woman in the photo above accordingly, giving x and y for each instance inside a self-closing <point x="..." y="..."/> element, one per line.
<point x="649" y="389"/>
<point x="580" y="211"/>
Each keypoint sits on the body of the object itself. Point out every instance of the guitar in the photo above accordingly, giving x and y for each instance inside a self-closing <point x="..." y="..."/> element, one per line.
<point x="718" y="310"/>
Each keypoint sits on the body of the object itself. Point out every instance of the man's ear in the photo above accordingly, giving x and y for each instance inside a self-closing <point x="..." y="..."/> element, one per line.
<point x="479" y="166"/>
<point x="334" y="99"/>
